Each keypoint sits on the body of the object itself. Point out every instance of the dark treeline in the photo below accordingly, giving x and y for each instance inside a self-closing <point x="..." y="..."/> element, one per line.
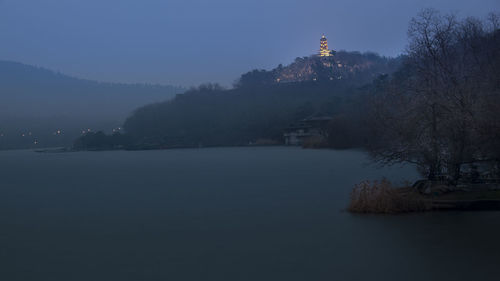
<point x="210" y="116"/>
<point x="100" y="141"/>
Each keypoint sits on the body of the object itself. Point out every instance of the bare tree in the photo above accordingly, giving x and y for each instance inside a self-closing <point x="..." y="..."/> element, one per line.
<point x="432" y="112"/>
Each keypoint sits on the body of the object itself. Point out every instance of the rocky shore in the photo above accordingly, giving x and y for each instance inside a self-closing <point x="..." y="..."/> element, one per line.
<point x="471" y="196"/>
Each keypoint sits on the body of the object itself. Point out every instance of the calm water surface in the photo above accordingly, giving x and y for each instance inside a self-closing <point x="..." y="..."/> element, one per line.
<point x="223" y="214"/>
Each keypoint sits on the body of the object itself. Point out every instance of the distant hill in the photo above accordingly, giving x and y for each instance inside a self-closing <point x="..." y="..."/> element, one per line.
<point x="39" y="101"/>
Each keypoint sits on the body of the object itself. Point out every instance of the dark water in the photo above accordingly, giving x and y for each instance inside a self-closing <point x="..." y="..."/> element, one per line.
<point x="223" y="214"/>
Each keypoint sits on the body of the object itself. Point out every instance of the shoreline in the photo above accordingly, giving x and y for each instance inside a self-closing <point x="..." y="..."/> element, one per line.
<point x="465" y="205"/>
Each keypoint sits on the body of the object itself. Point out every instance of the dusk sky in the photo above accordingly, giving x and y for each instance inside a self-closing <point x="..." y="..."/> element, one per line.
<point x="188" y="42"/>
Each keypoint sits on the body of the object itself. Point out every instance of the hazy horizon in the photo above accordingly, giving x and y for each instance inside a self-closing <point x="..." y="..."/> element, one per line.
<point x="187" y="43"/>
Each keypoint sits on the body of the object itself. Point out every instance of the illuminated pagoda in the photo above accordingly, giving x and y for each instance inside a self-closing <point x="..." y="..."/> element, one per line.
<point x="323" y="49"/>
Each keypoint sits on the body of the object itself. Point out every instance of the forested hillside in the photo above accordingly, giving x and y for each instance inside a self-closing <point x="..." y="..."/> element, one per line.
<point x="262" y="104"/>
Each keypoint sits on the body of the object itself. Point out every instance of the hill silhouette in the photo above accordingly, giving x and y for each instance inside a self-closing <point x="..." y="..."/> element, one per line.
<point x="261" y="105"/>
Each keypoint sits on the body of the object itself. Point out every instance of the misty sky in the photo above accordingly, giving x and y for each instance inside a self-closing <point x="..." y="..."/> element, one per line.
<point x="188" y="42"/>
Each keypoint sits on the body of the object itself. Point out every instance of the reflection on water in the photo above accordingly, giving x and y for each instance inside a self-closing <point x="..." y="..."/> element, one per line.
<point x="223" y="214"/>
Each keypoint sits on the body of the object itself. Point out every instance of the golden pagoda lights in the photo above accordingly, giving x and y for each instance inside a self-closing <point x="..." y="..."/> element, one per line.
<point x="323" y="47"/>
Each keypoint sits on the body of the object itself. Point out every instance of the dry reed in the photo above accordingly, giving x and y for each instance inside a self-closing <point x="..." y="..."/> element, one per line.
<point x="382" y="198"/>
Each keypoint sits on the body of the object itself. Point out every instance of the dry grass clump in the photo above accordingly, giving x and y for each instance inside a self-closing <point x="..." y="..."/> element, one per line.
<point x="382" y="198"/>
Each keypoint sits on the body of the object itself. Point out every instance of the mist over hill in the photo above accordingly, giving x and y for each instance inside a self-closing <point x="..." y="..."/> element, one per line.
<point x="36" y="103"/>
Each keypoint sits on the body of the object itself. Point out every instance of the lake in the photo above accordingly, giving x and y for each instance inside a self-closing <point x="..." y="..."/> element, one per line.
<point x="259" y="213"/>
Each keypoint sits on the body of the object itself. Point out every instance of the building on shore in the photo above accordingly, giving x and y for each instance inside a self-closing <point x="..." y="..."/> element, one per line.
<point x="298" y="132"/>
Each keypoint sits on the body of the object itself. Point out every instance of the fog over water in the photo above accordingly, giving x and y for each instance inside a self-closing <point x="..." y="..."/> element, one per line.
<point x="272" y="213"/>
